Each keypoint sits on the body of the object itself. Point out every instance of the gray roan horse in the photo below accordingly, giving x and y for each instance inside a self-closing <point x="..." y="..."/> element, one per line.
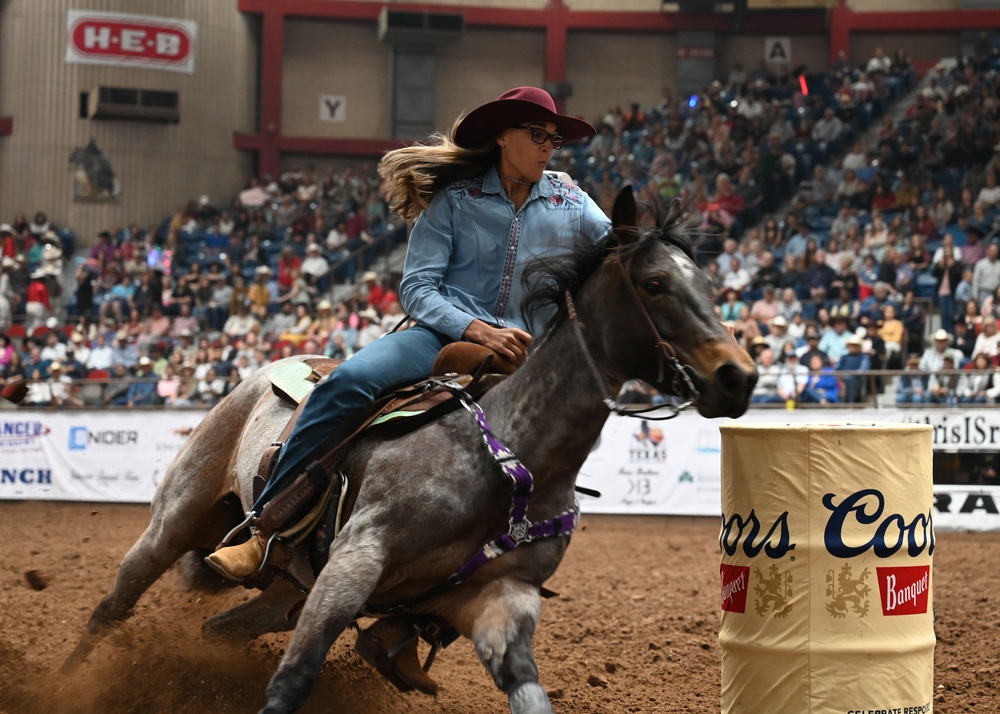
<point x="423" y="503"/>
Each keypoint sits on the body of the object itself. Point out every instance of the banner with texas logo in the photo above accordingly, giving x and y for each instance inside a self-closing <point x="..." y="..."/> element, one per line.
<point x="826" y="577"/>
<point x="652" y="467"/>
<point x="88" y="456"/>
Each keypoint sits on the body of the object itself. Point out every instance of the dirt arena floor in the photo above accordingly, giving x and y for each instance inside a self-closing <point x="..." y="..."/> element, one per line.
<point x="634" y="629"/>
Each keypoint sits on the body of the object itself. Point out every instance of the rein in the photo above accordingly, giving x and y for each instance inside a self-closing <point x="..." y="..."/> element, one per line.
<point x="681" y="383"/>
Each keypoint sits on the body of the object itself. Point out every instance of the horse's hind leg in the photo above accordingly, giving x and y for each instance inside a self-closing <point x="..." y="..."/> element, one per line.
<point x="268" y="612"/>
<point x="178" y="523"/>
<point x="184" y="515"/>
<point x="501" y="618"/>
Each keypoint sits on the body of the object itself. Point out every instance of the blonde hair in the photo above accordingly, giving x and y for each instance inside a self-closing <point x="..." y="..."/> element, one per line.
<point x="412" y="175"/>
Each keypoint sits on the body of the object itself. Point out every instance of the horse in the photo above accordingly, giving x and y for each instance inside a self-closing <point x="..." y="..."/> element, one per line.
<point x="632" y="306"/>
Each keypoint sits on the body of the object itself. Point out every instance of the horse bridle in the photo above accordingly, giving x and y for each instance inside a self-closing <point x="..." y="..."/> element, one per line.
<point x="681" y="383"/>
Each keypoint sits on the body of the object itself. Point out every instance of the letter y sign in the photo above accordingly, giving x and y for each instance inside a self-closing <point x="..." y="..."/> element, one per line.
<point x="332" y="107"/>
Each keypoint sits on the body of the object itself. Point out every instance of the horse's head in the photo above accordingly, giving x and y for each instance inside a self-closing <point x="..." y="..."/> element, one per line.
<point x="648" y="312"/>
<point x="657" y="321"/>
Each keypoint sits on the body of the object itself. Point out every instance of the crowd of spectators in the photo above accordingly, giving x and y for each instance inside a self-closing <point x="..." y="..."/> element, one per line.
<point x="879" y="235"/>
<point x="179" y="313"/>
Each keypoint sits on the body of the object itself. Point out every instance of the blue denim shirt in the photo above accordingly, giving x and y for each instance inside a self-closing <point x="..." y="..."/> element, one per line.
<point x="468" y="250"/>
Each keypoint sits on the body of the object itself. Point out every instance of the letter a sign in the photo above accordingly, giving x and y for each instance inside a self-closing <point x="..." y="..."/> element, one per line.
<point x="777" y="50"/>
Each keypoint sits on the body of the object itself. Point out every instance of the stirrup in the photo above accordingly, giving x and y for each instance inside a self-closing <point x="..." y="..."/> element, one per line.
<point x="248" y="521"/>
<point x="267" y="555"/>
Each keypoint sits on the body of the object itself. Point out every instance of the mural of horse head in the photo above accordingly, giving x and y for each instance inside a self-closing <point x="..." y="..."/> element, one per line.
<point x="94" y="178"/>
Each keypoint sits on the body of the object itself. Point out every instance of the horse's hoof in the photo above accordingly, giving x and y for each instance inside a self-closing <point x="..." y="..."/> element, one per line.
<point x="529" y="698"/>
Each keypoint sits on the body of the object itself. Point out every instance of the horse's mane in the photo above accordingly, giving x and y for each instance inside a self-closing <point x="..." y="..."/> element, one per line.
<point x="547" y="278"/>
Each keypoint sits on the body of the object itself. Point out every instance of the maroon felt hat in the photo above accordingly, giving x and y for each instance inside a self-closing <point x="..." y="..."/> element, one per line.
<point x="517" y="106"/>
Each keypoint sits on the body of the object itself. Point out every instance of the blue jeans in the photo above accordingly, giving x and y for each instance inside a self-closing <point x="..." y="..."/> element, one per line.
<point x="910" y="397"/>
<point x="852" y="389"/>
<point x="341" y="398"/>
<point x="946" y="305"/>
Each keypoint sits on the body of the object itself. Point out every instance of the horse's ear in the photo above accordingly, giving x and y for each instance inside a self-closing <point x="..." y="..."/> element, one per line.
<point x="624" y="214"/>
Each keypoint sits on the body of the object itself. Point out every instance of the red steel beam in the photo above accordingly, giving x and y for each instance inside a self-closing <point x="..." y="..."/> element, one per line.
<point x="840" y="31"/>
<point x="272" y="65"/>
<point x="924" y="21"/>
<point x="6" y="126"/>
<point x="556" y="13"/>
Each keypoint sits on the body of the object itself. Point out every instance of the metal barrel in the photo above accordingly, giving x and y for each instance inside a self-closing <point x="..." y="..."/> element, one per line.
<point x="827" y="542"/>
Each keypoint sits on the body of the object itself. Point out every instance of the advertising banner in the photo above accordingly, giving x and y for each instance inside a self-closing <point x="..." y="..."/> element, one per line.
<point x="673" y="467"/>
<point x="88" y="456"/>
<point x="639" y="466"/>
<point x="125" y="40"/>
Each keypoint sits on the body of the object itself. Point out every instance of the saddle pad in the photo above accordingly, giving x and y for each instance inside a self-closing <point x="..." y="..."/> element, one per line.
<point x="292" y="381"/>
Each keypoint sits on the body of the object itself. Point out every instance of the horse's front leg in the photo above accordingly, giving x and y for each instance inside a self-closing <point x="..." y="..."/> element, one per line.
<point x="345" y="583"/>
<point x="501" y="618"/>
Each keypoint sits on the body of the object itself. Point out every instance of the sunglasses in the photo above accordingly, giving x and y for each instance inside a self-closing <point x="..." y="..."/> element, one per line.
<point x="540" y="136"/>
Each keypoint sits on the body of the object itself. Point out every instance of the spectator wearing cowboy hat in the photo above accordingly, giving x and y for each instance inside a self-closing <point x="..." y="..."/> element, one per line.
<point x="142" y="390"/>
<point x="315" y="266"/>
<point x="477" y="196"/>
<point x="369" y="327"/>
<point x="38" y="306"/>
<point x="777" y="334"/>
<point x="61" y="394"/>
<point x="259" y="293"/>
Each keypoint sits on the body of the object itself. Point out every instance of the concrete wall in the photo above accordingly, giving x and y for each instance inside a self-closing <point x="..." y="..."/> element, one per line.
<point x="159" y="166"/>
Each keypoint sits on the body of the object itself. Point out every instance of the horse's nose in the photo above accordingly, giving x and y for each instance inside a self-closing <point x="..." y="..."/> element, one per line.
<point x="734" y="380"/>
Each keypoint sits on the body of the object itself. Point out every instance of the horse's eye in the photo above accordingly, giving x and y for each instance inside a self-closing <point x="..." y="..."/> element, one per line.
<point x="653" y="286"/>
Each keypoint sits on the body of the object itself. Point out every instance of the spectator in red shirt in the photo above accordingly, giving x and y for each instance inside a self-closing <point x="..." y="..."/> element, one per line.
<point x="38" y="306"/>
<point x="289" y="266"/>
<point x="8" y="244"/>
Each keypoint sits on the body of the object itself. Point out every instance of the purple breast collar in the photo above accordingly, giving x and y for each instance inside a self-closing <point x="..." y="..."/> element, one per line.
<point x="520" y="530"/>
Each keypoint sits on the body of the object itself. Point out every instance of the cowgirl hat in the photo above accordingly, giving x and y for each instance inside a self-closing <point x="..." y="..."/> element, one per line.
<point x="517" y="106"/>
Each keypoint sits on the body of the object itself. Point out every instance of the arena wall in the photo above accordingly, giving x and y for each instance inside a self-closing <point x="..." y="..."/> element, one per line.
<point x="812" y="51"/>
<point x="484" y="64"/>
<point x="159" y="166"/>
<point x="340" y="59"/>
<point x="611" y="68"/>
<point x="639" y="468"/>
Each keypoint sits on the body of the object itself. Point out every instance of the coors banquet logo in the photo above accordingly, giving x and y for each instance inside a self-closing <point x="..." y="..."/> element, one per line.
<point x="886" y="533"/>
<point x="857" y="524"/>
<point x="746" y="533"/>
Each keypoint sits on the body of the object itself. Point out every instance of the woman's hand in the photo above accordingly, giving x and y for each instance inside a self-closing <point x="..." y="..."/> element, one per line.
<point x="509" y="342"/>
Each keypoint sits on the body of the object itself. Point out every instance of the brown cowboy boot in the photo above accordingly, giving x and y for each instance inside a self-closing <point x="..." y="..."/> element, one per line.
<point x="390" y="646"/>
<point x="239" y="562"/>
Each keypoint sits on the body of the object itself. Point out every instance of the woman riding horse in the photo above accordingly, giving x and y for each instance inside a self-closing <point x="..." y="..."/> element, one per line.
<point x="484" y="207"/>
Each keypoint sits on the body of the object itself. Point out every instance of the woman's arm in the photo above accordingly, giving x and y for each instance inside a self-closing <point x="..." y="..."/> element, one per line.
<point x="427" y="258"/>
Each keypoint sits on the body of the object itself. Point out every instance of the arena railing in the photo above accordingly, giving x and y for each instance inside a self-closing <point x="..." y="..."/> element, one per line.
<point x="875" y="383"/>
<point x="87" y="393"/>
